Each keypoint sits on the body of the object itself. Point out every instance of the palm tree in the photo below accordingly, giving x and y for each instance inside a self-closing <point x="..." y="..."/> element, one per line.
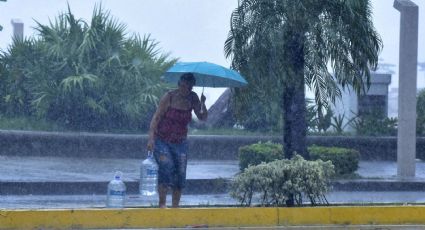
<point x="15" y="94"/>
<point x="88" y="75"/>
<point x="302" y="39"/>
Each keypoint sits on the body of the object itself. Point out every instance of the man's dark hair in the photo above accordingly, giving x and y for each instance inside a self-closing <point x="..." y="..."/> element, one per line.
<point x="188" y="77"/>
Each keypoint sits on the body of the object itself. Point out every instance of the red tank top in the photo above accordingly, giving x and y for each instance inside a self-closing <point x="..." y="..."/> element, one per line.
<point x="173" y="126"/>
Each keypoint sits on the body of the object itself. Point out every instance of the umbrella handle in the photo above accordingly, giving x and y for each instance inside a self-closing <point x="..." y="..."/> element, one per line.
<point x="202" y="94"/>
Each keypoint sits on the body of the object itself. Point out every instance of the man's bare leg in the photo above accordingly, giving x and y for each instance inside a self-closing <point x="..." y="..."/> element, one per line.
<point x="162" y="192"/>
<point x="177" y="193"/>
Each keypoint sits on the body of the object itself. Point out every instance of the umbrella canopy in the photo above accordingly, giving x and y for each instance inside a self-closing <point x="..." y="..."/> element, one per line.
<point x="206" y="74"/>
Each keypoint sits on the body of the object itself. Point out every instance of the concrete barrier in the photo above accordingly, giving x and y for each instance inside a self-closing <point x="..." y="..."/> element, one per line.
<point x="29" y="143"/>
<point x="193" y="187"/>
<point x="220" y="147"/>
<point x="211" y="217"/>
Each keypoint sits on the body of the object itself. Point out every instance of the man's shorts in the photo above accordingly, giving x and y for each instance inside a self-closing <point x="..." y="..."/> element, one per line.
<point x="172" y="163"/>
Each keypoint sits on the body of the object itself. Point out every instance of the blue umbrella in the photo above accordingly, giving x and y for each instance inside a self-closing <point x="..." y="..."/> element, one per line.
<point x="206" y="74"/>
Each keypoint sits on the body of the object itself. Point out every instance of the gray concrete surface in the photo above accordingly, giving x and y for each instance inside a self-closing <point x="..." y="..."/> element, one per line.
<point x="59" y="182"/>
<point x="29" y="173"/>
<point x="49" y="169"/>
<point x="63" y="169"/>
<point x="60" y="175"/>
<point x="223" y="199"/>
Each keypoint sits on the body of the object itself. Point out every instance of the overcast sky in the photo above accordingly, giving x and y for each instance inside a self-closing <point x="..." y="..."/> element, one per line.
<point x="192" y="30"/>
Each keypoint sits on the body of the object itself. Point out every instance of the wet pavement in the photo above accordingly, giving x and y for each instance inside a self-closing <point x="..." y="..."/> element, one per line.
<point x="26" y="169"/>
<point x="42" y="183"/>
<point x="199" y="200"/>
<point x="387" y="170"/>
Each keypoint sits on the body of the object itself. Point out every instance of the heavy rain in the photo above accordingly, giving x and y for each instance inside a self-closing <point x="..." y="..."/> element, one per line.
<point x="211" y="105"/>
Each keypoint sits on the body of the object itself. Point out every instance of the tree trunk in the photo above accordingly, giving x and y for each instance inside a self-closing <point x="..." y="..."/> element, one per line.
<point x="294" y="124"/>
<point x="294" y="111"/>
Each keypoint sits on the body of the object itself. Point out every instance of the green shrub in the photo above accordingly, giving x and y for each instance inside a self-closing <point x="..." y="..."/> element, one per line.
<point x="346" y="161"/>
<point x="420" y="111"/>
<point x="272" y="183"/>
<point x="255" y="154"/>
<point x="374" y="124"/>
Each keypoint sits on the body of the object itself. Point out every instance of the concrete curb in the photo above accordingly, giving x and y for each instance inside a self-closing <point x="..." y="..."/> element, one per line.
<point x="211" y="217"/>
<point x="193" y="186"/>
<point x="378" y="185"/>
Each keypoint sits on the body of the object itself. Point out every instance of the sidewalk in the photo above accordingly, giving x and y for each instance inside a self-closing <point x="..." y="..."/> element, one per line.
<point x="199" y="200"/>
<point x="58" y="182"/>
<point x="82" y="176"/>
<point x="55" y="169"/>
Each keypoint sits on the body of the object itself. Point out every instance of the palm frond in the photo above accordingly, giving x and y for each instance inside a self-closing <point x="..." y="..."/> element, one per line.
<point x="78" y="81"/>
<point x="94" y="105"/>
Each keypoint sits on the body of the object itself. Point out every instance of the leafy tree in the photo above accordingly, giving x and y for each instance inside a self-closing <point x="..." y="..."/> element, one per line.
<point x="420" y="110"/>
<point x="86" y="75"/>
<point x="317" y="121"/>
<point x="300" y="39"/>
<point x="15" y="92"/>
<point x="265" y="113"/>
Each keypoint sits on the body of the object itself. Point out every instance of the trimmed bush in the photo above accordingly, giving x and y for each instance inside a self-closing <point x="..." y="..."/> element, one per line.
<point x="270" y="184"/>
<point x="346" y="161"/>
<point x="258" y="153"/>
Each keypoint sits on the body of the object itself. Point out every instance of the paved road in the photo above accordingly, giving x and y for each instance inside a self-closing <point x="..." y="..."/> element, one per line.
<point x="48" y="169"/>
<point x="100" y="169"/>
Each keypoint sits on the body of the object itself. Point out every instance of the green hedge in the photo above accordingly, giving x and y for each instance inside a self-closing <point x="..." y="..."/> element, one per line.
<point x="346" y="161"/>
<point x="258" y="153"/>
